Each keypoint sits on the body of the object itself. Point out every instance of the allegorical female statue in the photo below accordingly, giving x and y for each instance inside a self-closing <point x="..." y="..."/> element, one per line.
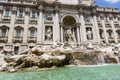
<point x="69" y="36"/>
<point x="49" y="34"/>
<point x="89" y="34"/>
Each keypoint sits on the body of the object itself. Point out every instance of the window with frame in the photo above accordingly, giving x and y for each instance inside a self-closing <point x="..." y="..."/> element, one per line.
<point x="33" y="15"/>
<point x="20" y="13"/>
<point x="101" y="34"/>
<point x="16" y="50"/>
<point x="115" y="19"/>
<point x="18" y="32"/>
<point x="3" y="32"/>
<point x="119" y="34"/>
<point x="7" y="12"/>
<point x="32" y="33"/>
<point x="110" y="34"/>
<point x="98" y="19"/>
<point x="106" y="18"/>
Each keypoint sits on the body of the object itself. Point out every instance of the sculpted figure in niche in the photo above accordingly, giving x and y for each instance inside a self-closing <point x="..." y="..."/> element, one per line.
<point x="48" y="34"/>
<point x="89" y="34"/>
<point x="87" y="18"/>
<point x="69" y="36"/>
<point x="49" y="17"/>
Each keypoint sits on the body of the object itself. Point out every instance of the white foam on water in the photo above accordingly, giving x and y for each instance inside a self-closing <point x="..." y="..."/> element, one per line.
<point x="95" y="65"/>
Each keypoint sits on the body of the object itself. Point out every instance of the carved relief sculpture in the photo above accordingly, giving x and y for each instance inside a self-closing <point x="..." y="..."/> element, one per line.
<point x="48" y="17"/>
<point x="87" y="18"/>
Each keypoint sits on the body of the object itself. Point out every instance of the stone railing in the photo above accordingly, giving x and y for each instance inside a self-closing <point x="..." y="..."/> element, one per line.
<point x="33" y="21"/>
<point x="20" y="20"/>
<point x="5" y="19"/>
<point x="32" y="39"/>
<point x="3" y="39"/>
<point x="17" y="39"/>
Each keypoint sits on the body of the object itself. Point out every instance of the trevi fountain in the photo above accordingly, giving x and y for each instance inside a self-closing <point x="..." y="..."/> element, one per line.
<point x="60" y="54"/>
<point x="65" y="59"/>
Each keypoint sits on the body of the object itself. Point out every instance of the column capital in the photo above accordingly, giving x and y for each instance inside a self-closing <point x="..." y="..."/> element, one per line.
<point x="110" y="16"/>
<point x="27" y="9"/>
<point x="94" y="12"/>
<point x="14" y="10"/>
<point x="101" y="15"/>
<point x="81" y="11"/>
<point x="61" y="24"/>
<point x="78" y="24"/>
<point x="87" y="13"/>
<point x="41" y="8"/>
<point x="56" y="10"/>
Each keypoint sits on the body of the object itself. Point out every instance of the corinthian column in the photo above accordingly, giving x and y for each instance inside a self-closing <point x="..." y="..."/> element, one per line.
<point x="78" y="34"/>
<point x="56" y="29"/>
<point x="61" y="29"/>
<point x="104" y="29"/>
<point x="83" y="29"/>
<point x="96" y="30"/>
<point x="40" y="25"/>
<point x="25" y="34"/>
<point x="114" y="31"/>
<point x="12" y="23"/>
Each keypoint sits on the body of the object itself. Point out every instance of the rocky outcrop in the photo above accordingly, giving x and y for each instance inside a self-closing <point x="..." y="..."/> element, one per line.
<point x="41" y="57"/>
<point x="36" y="57"/>
<point x="3" y="64"/>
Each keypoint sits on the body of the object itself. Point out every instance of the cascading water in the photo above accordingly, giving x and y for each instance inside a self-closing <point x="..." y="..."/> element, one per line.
<point x="101" y="57"/>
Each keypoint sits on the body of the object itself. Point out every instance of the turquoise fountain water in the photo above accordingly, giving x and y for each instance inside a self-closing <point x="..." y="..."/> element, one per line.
<point x="109" y="72"/>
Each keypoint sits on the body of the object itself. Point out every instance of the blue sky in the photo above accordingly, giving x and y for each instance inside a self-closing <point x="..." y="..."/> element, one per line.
<point x="113" y="3"/>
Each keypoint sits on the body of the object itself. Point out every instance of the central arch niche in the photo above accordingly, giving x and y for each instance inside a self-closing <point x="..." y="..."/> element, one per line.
<point x="69" y="20"/>
<point x="70" y="33"/>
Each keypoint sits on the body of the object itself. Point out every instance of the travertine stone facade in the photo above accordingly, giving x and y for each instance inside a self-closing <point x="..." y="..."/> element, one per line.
<point x="27" y="23"/>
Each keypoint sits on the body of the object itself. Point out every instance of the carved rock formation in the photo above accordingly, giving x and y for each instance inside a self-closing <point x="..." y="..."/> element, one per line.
<point x="58" y="56"/>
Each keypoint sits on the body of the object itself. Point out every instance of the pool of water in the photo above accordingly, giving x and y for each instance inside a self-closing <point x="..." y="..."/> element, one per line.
<point x="108" y="72"/>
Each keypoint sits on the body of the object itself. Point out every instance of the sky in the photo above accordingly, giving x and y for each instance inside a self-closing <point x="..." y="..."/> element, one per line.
<point x="112" y="3"/>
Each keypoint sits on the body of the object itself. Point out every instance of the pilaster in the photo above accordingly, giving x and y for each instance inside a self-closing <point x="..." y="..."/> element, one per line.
<point x="0" y="14"/>
<point x="104" y="30"/>
<point x="56" y="30"/>
<point x="61" y="29"/>
<point x="12" y="25"/>
<point x="78" y="33"/>
<point x="40" y="25"/>
<point x="96" y="30"/>
<point x="114" y="31"/>
<point x="25" y="34"/>
<point x="83" y="29"/>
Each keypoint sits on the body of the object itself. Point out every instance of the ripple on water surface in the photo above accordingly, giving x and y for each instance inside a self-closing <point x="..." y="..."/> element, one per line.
<point x="108" y="72"/>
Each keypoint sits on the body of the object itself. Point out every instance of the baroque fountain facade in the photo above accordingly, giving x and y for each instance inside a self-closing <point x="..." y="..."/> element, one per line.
<point x="46" y="33"/>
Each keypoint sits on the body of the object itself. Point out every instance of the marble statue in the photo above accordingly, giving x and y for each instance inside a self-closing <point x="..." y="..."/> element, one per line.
<point x="87" y="19"/>
<point x="69" y="36"/>
<point x="89" y="34"/>
<point x="49" y="34"/>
